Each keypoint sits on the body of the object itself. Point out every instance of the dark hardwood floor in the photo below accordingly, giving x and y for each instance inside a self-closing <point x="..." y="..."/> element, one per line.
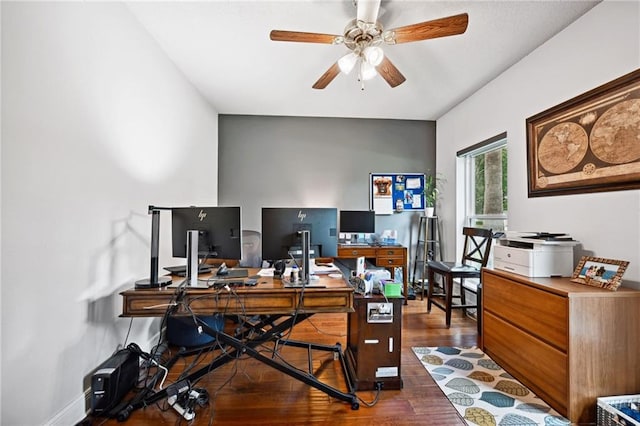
<point x="245" y="391"/>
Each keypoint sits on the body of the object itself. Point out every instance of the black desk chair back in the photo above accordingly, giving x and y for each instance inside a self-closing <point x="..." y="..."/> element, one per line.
<point x="475" y="254"/>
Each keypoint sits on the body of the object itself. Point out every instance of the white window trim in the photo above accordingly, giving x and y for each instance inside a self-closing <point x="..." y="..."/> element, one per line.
<point x="464" y="200"/>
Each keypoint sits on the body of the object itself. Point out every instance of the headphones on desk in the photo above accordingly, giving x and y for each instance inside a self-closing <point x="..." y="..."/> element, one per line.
<point x="278" y="268"/>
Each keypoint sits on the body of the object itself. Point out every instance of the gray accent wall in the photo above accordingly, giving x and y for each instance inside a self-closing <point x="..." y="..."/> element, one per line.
<point x="318" y="162"/>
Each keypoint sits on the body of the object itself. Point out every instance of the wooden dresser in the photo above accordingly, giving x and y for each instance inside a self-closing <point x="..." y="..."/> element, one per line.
<point x="390" y="257"/>
<point x="569" y="343"/>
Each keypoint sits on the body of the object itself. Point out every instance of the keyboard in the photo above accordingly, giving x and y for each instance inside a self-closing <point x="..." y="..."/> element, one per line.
<point x="221" y="282"/>
<point x="181" y="270"/>
<point x="235" y="273"/>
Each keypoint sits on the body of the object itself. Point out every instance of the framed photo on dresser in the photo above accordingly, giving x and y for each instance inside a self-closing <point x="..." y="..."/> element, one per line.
<point x="600" y="272"/>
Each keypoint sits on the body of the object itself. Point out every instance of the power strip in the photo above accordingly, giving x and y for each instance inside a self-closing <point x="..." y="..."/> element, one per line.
<point x="187" y="413"/>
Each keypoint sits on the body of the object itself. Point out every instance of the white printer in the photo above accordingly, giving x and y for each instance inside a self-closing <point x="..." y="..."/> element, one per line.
<point x="535" y="254"/>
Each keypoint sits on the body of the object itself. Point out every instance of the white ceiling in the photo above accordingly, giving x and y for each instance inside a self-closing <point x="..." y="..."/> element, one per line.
<point x="223" y="48"/>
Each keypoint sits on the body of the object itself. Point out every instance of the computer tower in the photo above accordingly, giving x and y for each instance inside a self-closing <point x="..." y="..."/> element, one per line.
<point x="113" y="379"/>
<point x="374" y="343"/>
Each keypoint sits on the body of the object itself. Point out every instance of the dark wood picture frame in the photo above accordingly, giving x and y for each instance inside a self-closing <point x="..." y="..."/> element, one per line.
<point x="590" y="143"/>
<point x="600" y="272"/>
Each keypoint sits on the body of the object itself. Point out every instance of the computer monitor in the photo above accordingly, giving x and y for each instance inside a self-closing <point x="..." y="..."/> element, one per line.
<point x="219" y="232"/>
<point x="357" y="221"/>
<point x="281" y="228"/>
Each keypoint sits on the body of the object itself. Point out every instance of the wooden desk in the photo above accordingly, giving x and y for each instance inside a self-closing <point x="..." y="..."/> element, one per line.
<point x="569" y="343"/>
<point x="279" y="310"/>
<point x="269" y="296"/>
<point x="390" y="257"/>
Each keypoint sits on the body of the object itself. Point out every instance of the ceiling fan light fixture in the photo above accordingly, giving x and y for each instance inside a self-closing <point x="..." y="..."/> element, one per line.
<point x="347" y="62"/>
<point x="363" y="36"/>
<point x="373" y="55"/>
<point x="367" y="71"/>
<point x="367" y="10"/>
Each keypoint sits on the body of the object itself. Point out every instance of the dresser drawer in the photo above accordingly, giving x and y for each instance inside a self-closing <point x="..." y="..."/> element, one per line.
<point x="541" y="313"/>
<point x="540" y="367"/>
<point x="351" y="252"/>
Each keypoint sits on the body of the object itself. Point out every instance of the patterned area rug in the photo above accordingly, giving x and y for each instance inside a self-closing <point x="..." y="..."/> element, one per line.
<point x="482" y="392"/>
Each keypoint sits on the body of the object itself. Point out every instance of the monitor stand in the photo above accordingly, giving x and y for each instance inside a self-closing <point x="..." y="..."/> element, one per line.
<point x="305" y="268"/>
<point x="192" y="260"/>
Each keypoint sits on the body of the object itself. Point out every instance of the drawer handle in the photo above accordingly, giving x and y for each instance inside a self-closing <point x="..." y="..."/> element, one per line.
<point x="390" y="252"/>
<point x="355" y="252"/>
<point x="389" y="261"/>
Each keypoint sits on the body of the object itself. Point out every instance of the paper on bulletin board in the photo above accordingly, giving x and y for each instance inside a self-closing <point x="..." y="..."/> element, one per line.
<point x="413" y="183"/>
<point x="383" y="194"/>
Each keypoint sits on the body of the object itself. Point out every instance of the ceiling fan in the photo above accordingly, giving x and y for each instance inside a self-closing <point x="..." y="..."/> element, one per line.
<point x="364" y="35"/>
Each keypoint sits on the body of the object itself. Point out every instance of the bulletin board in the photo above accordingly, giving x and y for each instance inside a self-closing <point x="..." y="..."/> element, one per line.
<point x="396" y="192"/>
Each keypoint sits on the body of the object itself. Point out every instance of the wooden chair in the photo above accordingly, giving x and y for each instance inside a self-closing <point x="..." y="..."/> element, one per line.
<point x="475" y="254"/>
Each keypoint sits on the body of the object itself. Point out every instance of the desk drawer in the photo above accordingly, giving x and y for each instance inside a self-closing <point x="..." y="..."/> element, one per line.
<point x="390" y="252"/>
<point x="351" y="252"/>
<point x="390" y="261"/>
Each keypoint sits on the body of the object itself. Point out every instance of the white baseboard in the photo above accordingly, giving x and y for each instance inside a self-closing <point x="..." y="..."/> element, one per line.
<point x="72" y="413"/>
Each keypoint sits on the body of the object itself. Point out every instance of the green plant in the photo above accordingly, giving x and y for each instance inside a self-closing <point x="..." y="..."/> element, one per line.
<point x="432" y="185"/>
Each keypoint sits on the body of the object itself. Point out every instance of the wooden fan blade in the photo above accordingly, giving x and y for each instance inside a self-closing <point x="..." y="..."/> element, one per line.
<point x="442" y="27"/>
<point x="302" y="37"/>
<point x="327" y="77"/>
<point x="390" y="73"/>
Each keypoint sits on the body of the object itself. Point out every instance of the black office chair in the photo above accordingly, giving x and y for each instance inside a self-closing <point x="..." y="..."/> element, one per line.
<point x="475" y="254"/>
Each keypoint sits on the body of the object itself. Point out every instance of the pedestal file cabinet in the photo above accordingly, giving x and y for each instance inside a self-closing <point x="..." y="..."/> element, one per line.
<point x="374" y="343"/>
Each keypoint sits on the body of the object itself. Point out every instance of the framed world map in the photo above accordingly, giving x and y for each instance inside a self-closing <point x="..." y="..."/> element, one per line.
<point x="589" y="143"/>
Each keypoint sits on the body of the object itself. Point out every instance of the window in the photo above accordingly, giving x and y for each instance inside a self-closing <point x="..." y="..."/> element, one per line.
<point x="485" y="183"/>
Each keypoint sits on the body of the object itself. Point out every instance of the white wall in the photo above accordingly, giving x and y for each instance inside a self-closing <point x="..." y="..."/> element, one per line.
<point x="97" y="125"/>
<point x="600" y="46"/>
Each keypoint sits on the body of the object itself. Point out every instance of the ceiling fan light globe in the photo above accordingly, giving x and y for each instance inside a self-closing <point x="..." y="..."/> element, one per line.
<point x="367" y="71"/>
<point x="373" y="55"/>
<point x="347" y="62"/>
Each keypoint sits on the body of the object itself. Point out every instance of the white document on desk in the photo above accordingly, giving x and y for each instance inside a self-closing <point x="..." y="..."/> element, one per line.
<point x="327" y="268"/>
<point x="266" y="272"/>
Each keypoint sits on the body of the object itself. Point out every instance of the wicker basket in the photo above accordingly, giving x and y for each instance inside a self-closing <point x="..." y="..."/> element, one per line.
<point x="608" y="410"/>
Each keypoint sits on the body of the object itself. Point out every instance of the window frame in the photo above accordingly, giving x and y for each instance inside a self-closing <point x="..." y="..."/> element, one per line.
<point x="466" y="172"/>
